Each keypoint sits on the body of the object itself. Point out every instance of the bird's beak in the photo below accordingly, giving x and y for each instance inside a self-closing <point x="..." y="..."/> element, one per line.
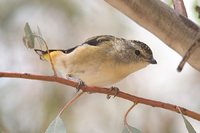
<point x="152" y="61"/>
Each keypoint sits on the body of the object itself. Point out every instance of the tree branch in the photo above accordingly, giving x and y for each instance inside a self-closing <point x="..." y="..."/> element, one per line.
<point x="175" y="30"/>
<point x="121" y="94"/>
<point x="179" y="7"/>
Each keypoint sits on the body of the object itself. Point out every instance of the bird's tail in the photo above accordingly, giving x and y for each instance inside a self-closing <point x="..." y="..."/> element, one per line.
<point x="53" y="52"/>
<point x="44" y="54"/>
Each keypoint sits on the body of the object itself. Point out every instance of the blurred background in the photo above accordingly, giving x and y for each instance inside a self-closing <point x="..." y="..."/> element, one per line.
<point x="28" y="106"/>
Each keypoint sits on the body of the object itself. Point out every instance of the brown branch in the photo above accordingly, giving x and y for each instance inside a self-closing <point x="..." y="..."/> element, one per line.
<point x="126" y="115"/>
<point x="121" y="94"/>
<point x="69" y="103"/>
<point x="51" y="62"/>
<point x="180" y="7"/>
<point x="188" y="54"/>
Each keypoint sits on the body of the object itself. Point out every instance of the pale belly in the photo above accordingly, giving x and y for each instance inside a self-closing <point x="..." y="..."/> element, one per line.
<point x="99" y="78"/>
<point x="98" y="74"/>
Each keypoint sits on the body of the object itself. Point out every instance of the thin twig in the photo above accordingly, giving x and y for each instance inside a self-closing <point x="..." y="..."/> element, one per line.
<point x="180" y="7"/>
<point x="188" y="54"/>
<point x="125" y="116"/>
<point x="120" y="94"/>
<point x="52" y="65"/>
<point x="29" y="42"/>
<point x="179" y="109"/>
<point x="69" y="103"/>
<point x="51" y="61"/>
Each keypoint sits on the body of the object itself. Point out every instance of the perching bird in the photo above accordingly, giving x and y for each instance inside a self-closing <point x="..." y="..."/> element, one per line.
<point x="101" y="60"/>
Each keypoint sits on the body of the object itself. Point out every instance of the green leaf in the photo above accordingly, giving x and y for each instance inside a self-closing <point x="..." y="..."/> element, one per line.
<point x="130" y="129"/>
<point x="28" y="38"/>
<point x="40" y="39"/>
<point x="56" y="126"/>
<point x="188" y="125"/>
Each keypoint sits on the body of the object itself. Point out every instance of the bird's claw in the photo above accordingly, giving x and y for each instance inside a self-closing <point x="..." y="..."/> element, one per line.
<point x="115" y="89"/>
<point x="80" y="84"/>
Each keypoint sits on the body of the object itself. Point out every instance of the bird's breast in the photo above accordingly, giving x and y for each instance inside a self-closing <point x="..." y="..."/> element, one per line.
<point x="94" y="67"/>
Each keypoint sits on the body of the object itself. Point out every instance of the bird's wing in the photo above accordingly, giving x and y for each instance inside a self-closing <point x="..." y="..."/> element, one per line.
<point x="97" y="40"/>
<point x="69" y="50"/>
<point x="93" y="41"/>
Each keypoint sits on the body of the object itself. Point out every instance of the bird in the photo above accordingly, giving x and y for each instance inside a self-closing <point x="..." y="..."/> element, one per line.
<point x="101" y="60"/>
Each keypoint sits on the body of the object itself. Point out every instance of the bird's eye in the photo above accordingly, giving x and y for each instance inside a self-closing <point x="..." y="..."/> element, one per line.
<point x="137" y="52"/>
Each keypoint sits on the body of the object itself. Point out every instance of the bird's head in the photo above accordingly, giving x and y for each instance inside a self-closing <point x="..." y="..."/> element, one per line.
<point x="142" y="52"/>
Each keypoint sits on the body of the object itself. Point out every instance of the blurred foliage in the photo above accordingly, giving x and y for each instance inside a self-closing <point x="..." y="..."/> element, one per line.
<point x="196" y="13"/>
<point x="9" y="8"/>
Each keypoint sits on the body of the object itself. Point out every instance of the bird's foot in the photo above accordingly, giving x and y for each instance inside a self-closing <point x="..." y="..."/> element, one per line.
<point x="115" y="89"/>
<point x="73" y="78"/>
<point x="80" y="84"/>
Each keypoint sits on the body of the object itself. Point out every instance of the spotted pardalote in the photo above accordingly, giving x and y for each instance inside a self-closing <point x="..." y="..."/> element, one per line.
<point x="101" y="60"/>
